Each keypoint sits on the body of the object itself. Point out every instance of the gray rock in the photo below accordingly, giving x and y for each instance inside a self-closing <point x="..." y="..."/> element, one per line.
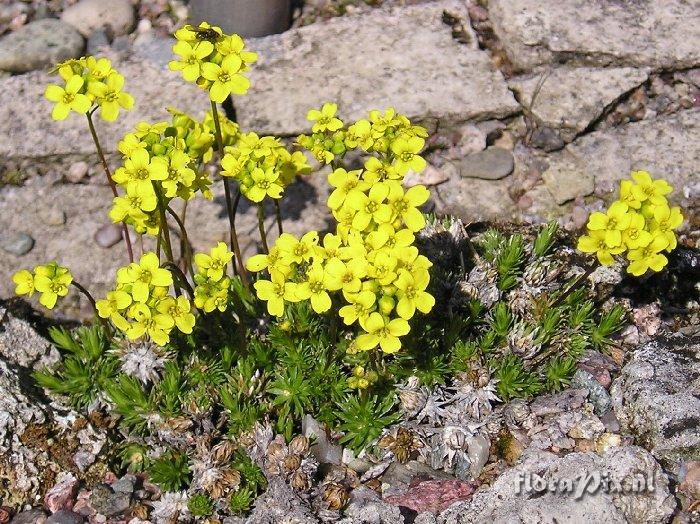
<point x="655" y="398"/>
<point x="665" y="147"/>
<point x="323" y="450"/>
<point x="38" y="45"/>
<point x="493" y="163"/>
<point x="512" y="499"/>
<point x="108" y="502"/>
<point x="52" y="216"/>
<point x="571" y="98"/>
<point x="89" y="15"/>
<point x="126" y="484"/>
<point x="366" y="507"/>
<point x="25" y="118"/>
<point x="98" y="40"/>
<point x="77" y="172"/>
<point x="267" y="17"/>
<point x="30" y="516"/>
<point x="660" y="35"/>
<point x="16" y="243"/>
<point x="280" y="504"/>
<point x="457" y="197"/>
<point x="416" y="66"/>
<point x="108" y="235"/>
<point x="597" y="394"/>
<point x="65" y="516"/>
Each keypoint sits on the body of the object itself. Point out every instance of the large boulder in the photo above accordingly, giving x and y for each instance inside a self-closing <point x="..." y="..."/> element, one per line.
<point x="657" y="399"/>
<point x="660" y="35"/>
<point x="403" y="57"/>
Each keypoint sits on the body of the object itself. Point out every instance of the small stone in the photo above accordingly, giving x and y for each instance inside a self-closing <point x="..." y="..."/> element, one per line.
<point x="39" y="44"/>
<point x="492" y="129"/>
<point x="16" y="243"/>
<point x="610" y="422"/>
<point x="108" y="502"/>
<point x="126" y="484"/>
<point x="547" y="139"/>
<point x="98" y="40"/>
<point x="433" y="495"/>
<point x="607" y="441"/>
<point x="77" y="172"/>
<point x="492" y="164"/>
<point x="565" y="181"/>
<point x="430" y="176"/>
<point x="597" y="394"/>
<point x="62" y="495"/>
<point x="579" y="217"/>
<point x="478" y="448"/>
<point x="65" y="516"/>
<point x="88" y="15"/>
<point x="52" y="216"/>
<point x="108" y="235"/>
<point x="30" y="516"/>
<point x="599" y="366"/>
<point x="690" y="479"/>
<point x="323" y="450"/>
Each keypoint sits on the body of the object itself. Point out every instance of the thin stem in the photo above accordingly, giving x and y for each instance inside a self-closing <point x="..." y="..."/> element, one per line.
<point x="561" y="298"/>
<point x="187" y="247"/>
<point x="181" y="277"/>
<point x="261" y="227"/>
<point x="163" y="226"/>
<point x="278" y="215"/>
<point x="112" y="185"/>
<point x="235" y="247"/>
<point x="87" y="295"/>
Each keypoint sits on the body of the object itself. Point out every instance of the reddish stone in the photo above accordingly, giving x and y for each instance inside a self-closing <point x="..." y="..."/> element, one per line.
<point x="62" y="495"/>
<point x="433" y="495"/>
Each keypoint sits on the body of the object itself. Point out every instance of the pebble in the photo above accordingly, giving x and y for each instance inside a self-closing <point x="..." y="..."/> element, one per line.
<point x="52" y="216"/>
<point x="493" y="163"/>
<point x="65" y="516"/>
<point x="76" y="172"/>
<point x="108" y="235"/>
<point x="97" y="41"/>
<point x="546" y="138"/>
<point x="579" y="217"/>
<point x="16" y="243"/>
<point x="126" y="484"/>
<point x="108" y="502"/>
<point x="38" y="45"/>
<point x="30" y="516"/>
<point x="610" y="422"/>
<point x="323" y="450"/>
<point x="430" y="176"/>
<point x="597" y="394"/>
<point x="89" y="15"/>
<point x="62" y="494"/>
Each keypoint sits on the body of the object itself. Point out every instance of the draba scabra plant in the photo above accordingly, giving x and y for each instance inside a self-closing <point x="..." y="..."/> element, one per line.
<point x="210" y="363"/>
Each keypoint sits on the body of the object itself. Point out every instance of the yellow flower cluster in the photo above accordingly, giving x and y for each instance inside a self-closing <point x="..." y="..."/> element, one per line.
<point x="88" y="81"/>
<point x="361" y="378"/>
<point x="213" y="60"/>
<point x="370" y="258"/>
<point x="164" y="158"/>
<point x="640" y="223"/>
<point x="212" y="284"/>
<point x="141" y="305"/>
<point x="51" y="280"/>
<point x="386" y="133"/>
<point x="262" y="166"/>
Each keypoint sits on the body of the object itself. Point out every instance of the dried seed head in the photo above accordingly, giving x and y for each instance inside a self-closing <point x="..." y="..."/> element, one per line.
<point x="300" y="481"/>
<point x="291" y="463"/>
<point x="299" y="445"/>
<point x="276" y="451"/>
<point x="335" y="495"/>
<point x="223" y="451"/>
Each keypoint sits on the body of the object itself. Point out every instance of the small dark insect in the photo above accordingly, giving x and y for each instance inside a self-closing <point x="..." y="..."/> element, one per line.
<point x="204" y="33"/>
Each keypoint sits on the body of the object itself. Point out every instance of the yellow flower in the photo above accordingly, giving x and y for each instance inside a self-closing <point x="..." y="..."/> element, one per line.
<point x="383" y="267"/>
<point x="51" y="281"/>
<point x="214" y="264"/>
<point x="596" y="243"/>
<point x="404" y="205"/>
<point x="178" y="309"/>
<point x="344" y="182"/>
<point x="153" y="323"/>
<point x="24" y="282"/>
<point x="209" y="294"/>
<point x="264" y="184"/>
<point x="649" y="189"/>
<point x="378" y="171"/>
<point x="635" y="235"/>
<point x="315" y="288"/>
<point x="297" y="251"/>
<point x="648" y="257"/>
<point x="226" y="78"/>
<point x="324" y="120"/>
<point x="412" y="295"/>
<point x="137" y="201"/>
<point x="613" y="223"/>
<point x="360" y="134"/>
<point x="369" y="206"/>
<point x="110" y="97"/>
<point x="407" y="158"/>
<point x="346" y="275"/>
<point x="191" y="57"/>
<point x="140" y="170"/>
<point x="234" y="45"/>
<point x="666" y="220"/>
<point x="359" y="307"/>
<point x="144" y="275"/>
<point x="68" y="98"/>
<point x="180" y="175"/>
<point x="383" y="332"/>
<point x="275" y="291"/>
<point x="627" y="195"/>
<point x="112" y="306"/>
